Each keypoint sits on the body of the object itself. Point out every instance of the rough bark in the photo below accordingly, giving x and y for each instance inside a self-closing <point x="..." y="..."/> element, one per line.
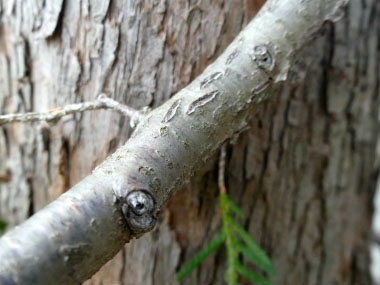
<point x="303" y="173"/>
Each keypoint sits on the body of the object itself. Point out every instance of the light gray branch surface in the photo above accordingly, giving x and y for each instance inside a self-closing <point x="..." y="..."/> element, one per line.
<point x="74" y="236"/>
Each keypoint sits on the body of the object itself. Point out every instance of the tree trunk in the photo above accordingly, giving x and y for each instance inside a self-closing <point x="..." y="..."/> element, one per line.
<point x="304" y="173"/>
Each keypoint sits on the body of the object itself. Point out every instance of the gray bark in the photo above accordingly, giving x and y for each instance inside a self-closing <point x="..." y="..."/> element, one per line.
<point x="304" y="173"/>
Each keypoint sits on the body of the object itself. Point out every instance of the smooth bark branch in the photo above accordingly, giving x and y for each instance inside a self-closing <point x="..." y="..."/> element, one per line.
<point x="102" y="102"/>
<point x="75" y="235"/>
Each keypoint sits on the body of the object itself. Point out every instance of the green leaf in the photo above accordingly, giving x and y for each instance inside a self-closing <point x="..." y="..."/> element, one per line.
<point x="252" y="256"/>
<point x="260" y="256"/>
<point x="251" y="276"/>
<point x="233" y="207"/>
<point x="3" y="225"/>
<point x="200" y="256"/>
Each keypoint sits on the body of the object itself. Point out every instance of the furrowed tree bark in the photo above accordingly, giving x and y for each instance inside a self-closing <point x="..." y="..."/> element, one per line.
<point x="172" y="142"/>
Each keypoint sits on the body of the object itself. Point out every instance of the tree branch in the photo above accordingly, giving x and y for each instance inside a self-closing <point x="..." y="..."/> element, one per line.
<point x="75" y="235"/>
<point x="102" y="102"/>
<point x="222" y="169"/>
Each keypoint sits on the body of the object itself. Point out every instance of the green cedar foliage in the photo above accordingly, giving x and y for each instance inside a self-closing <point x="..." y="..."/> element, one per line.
<point x="238" y="243"/>
<point x="3" y="225"/>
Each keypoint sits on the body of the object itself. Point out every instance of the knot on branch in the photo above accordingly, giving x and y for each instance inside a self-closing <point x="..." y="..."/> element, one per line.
<point x="140" y="211"/>
<point x="263" y="58"/>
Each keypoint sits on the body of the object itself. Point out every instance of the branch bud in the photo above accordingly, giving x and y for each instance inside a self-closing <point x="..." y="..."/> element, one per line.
<point x="140" y="211"/>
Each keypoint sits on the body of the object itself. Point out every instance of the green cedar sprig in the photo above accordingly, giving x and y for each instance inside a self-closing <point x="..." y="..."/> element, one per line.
<point x="3" y="225"/>
<point x="200" y="256"/>
<point x="237" y="242"/>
